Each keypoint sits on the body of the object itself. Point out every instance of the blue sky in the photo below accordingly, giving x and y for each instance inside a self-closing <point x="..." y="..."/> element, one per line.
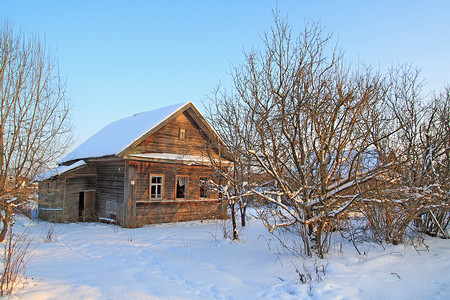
<point x="124" y="57"/>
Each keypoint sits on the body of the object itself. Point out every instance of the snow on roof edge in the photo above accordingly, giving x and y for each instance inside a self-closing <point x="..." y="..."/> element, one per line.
<point x="98" y="146"/>
<point x="176" y="157"/>
<point x="59" y="171"/>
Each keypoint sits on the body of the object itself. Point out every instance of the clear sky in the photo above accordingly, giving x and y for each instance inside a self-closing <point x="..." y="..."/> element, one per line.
<point x="124" y="57"/>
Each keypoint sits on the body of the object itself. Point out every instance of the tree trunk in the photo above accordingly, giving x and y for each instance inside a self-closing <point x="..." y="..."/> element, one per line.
<point x="319" y="243"/>
<point x="6" y="220"/>
<point x="243" y="209"/>
<point x="233" y="221"/>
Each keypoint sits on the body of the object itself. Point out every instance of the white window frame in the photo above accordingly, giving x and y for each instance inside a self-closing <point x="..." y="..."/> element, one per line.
<point x="156" y="196"/>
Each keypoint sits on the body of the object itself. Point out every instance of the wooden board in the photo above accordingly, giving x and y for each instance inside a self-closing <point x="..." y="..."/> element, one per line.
<point x="179" y="211"/>
<point x="167" y="139"/>
<point x="170" y="172"/>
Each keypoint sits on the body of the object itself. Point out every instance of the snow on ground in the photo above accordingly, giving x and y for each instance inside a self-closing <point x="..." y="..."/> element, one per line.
<point x="192" y="260"/>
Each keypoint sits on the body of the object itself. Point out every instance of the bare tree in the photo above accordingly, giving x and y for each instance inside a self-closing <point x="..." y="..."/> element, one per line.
<point x="35" y="126"/>
<point x="417" y="188"/>
<point x="232" y="122"/>
<point x="432" y="180"/>
<point x="309" y="126"/>
<point x="14" y="260"/>
<point x="390" y="210"/>
<point x="229" y="185"/>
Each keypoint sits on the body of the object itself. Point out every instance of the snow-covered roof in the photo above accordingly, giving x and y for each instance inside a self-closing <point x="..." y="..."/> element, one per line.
<point x="119" y="135"/>
<point x="59" y="170"/>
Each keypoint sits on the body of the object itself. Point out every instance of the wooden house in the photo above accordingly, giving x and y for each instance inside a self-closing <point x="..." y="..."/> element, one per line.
<point x="144" y="169"/>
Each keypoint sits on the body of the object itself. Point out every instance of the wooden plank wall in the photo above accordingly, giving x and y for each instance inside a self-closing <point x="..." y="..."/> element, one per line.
<point x="74" y="186"/>
<point x="110" y="189"/>
<point x="170" y="171"/>
<point x="171" y="209"/>
<point x="50" y="202"/>
<point x="108" y="179"/>
<point x="108" y="182"/>
<point x="59" y="197"/>
<point x="166" y="139"/>
<point x="178" y="211"/>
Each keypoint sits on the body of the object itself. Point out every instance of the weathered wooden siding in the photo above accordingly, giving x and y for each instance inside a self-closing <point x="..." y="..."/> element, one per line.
<point x="122" y="186"/>
<point x="167" y="140"/>
<point x="59" y="198"/>
<point x="170" y="209"/>
<point x="73" y="187"/>
<point x="110" y="189"/>
<point x="178" y="211"/>
<point x="128" y="219"/>
<point x="170" y="171"/>
<point x="51" y="200"/>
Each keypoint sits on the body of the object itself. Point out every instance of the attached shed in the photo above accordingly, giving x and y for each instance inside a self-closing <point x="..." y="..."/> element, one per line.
<point x="148" y="168"/>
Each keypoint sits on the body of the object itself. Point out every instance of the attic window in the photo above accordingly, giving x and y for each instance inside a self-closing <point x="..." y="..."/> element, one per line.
<point x="182" y="134"/>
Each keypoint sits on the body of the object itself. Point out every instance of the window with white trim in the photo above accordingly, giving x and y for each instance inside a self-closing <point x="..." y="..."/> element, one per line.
<point x="156" y="187"/>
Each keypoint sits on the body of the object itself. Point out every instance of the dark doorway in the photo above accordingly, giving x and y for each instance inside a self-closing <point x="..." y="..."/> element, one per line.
<point x="86" y="206"/>
<point x="81" y="206"/>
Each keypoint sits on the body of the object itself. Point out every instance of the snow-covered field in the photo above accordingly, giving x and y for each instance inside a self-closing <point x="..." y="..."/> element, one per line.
<point x="192" y="260"/>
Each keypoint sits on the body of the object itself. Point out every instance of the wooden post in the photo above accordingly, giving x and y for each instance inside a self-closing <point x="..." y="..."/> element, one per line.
<point x="64" y="204"/>
<point x="129" y="205"/>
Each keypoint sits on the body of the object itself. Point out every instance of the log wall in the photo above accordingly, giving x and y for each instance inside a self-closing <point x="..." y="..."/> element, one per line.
<point x="167" y="139"/>
<point x="170" y="209"/>
<point x="51" y="200"/>
<point x="170" y="172"/>
<point x="110" y="189"/>
<point x="59" y="197"/>
<point x="122" y="187"/>
<point x="73" y="187"/>
<point x="178" y="211"/>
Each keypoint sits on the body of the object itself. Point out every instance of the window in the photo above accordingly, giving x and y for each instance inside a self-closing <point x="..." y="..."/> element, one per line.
<point x="182" y="134"/>
<point x="156" y="187"/>
<point x="204" y="191"/>
<point x="181" y="187"/>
